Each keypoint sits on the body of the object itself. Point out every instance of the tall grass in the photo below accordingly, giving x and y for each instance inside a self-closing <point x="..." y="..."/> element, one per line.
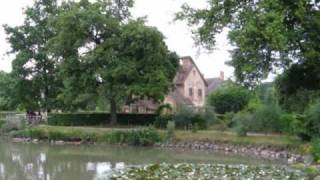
<point x="135" y="137"/>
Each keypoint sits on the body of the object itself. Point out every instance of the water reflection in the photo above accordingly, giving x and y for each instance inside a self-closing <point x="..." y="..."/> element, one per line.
<point x="46" y="162"/>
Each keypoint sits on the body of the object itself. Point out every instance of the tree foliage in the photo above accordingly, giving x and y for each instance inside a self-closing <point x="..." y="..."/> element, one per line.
<point x="267" y="34"/>
<point x="230" y="97"/>
<point x="312" y="123"/>
<point x="296" y="87"/>
<point x="6" y="92"/>
<point x="105" y="53"/>
<point x="36" y="85"/>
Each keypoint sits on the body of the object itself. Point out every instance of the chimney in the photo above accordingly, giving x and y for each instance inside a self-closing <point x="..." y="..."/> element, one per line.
<point x="186" y="62"/>
<point x="222" y="75"/>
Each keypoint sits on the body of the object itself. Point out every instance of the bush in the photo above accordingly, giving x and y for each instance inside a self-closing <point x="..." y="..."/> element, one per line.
<point x="170" y="130"/>
<point x="267" y="118"/>
<point x="30" y="133"/>
<point x="195" y="128"/>
<point x="229" y="98"/>
<point x="57" y="136"/>
<point x="315" y="150"/>
<point x="186" y="117"/>
<point x="138" y="137"/>
<point x="242" y="121"/>
<point x="162" y="120"/>
<point x="199" y="122"/>
<point x="312" y="123"/>
<point x="183" y="116"/>
<point x="99" y="119"/>
<point x="2" y="123"/>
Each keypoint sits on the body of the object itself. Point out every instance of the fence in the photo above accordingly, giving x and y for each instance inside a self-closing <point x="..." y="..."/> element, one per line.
<point x="20" y="118"/>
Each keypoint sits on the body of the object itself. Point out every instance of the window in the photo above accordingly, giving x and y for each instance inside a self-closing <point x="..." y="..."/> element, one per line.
<point x="190" y="92"/>
<point x="200" y="92"/>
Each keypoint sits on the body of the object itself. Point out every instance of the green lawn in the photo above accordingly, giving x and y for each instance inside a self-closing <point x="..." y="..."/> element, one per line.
<point x="232" y="138"/>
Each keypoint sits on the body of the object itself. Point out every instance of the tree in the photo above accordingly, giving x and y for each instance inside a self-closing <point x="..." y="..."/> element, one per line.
<point x="104" y="53"/>
<point x="296" y="87"/>
<point x="6" y="89"/>
<point x="229" y="98"/>
<point x="36" y="85"/>
<point x="268" y="35"/>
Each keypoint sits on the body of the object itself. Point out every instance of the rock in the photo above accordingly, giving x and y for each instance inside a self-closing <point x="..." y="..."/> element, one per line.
<point x="59" y="142"/>
<point x="18" y="140"/>
<point x="291" y="160"/>
<point x="308" y="159"/>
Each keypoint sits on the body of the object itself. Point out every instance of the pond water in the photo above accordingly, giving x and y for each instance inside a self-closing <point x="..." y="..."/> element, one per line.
<point x="93" y="162"/>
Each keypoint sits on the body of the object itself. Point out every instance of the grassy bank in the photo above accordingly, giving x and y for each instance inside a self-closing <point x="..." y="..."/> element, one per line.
<point x="121" y="135"/>
<point x="138" y="136"/>
<point x="232" y="138"/>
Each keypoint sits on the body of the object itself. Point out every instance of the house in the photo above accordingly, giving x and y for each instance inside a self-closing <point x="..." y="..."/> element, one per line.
<point x="214" y="83"/>
<point x="189" y="88"/>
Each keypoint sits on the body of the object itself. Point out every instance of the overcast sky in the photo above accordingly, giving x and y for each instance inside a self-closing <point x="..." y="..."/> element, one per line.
<point x="159" y="13"/>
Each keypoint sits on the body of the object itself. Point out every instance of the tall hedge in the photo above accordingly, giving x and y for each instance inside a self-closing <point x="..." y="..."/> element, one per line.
<point x="230" y="97"/>
<point x="99" y="119"/>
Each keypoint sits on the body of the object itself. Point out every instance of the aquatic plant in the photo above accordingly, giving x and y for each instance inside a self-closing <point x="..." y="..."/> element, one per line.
<point x="208" y="171"/>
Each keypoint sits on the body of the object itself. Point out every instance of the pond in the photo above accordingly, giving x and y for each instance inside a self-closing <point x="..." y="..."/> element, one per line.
<point x="93" y="162"/>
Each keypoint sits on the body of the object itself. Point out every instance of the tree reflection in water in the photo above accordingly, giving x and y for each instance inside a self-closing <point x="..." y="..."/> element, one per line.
<point x="50" y="162"/>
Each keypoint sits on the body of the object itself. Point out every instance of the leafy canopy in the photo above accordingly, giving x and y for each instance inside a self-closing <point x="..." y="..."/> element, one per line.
<point x="230" y="97"/>
<point x="35" y="83"/>
<point x="110" y="56"/>
<point x="268" y="35"/>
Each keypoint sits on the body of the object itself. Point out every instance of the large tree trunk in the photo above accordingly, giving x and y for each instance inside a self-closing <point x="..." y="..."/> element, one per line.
<point x="113" y="111"/>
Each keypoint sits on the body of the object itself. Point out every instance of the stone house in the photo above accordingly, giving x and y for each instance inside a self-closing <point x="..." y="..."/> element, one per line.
<point x="189" y="88"/>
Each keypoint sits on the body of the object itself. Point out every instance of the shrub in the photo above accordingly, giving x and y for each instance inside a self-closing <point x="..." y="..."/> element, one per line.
<point x="36" y="133"/>
<point x="183" y="116"/>
<point x="98" y="119"/>
<point x="315" y="150"/>
<point x="30" y="133"/>
<point x="186" y="117"/>
<point x="170" y="130"/>
<point x="291" y="123"/>
<point x="195" y="128"/>
<point x="267" y="118"/>
<point x="138" y="137"/>
<point x="312" y="123"/>
<point x="2" y="123"/>
<point x="89" y="137"/>
<point x="199" y="122"/>
<point x="229" y="98"/>
<point x="143" y="137"/>
<point x="242" y="121"/>
<point x="56" y="135"/>
<point x="162" y="120"/>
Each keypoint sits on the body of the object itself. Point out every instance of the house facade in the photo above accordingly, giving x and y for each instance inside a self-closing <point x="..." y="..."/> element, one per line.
<point x="189" y="88"/>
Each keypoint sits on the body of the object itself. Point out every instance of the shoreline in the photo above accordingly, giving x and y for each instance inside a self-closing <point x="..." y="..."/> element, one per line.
<point x="267" y="152"/>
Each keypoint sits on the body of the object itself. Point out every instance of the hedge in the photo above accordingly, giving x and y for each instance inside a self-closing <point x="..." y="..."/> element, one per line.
<point x="99" y="119"/>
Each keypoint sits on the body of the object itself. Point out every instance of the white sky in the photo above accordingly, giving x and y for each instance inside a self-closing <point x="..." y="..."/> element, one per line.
<point x="160" y="13"/>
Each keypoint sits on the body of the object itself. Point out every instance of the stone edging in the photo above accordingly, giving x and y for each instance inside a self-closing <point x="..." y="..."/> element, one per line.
<point x="260" y="151"/>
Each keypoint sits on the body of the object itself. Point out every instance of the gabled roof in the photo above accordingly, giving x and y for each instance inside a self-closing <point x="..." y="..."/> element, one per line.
<point x="183" y="73"/>
<point x="213" y="84"/>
